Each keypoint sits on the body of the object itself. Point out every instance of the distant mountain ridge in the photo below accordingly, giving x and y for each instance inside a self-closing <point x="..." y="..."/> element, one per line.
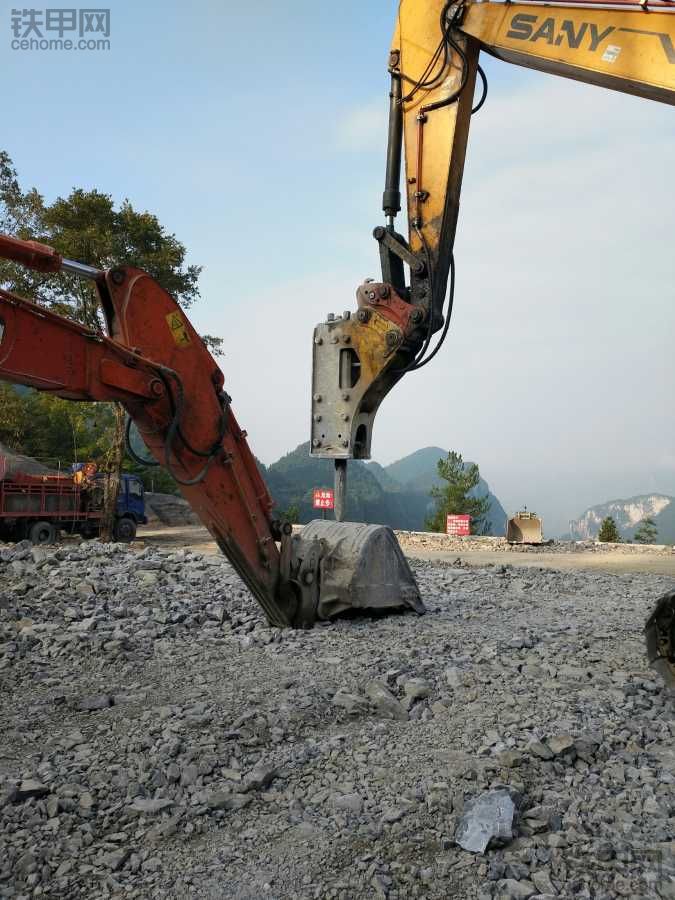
<point x="628" y="514"/>
<point x="396" y="495"/>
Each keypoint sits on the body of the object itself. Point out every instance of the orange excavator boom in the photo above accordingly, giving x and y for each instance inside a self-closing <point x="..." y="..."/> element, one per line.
<point x="156" y="365"/>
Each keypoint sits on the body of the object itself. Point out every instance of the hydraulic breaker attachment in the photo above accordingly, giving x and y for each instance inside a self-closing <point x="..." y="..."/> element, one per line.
<point x="660" y="638"/>
<point x="357" y="360"/>
<point x="362" y="567"/>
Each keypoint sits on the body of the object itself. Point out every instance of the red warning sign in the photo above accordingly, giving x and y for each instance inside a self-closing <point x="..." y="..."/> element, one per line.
<point x="458" y="526"/>
<point x="324" y="498"/>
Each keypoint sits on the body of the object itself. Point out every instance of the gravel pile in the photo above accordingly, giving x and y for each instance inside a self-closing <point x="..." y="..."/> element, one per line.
<point x="159" y="741"/>
<point x="168" y="509"/>
<point x="12" y="463"/>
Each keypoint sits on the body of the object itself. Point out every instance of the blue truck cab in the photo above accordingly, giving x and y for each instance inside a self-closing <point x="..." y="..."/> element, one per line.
<point x="131" y="499"/>
<point x="130" y="507"/>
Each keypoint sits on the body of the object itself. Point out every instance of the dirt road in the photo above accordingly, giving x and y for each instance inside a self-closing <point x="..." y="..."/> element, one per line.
<point x="613" y="563"/>
<point x="198" y="539"/>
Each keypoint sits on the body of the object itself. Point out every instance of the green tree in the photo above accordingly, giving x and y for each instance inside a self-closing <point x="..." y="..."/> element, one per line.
<point x="13" y="418"/>
<point x="646" y="532"/>
<point x="90" y="227"/>
<point x="44" y="426"/>
<point x="292" y="514"/>
<point x="87" y="226"/>
<point x="609" y="533"/>
<point x="154" y="478"/>
<point x="454" y="498"/>
<point x="59" y="432"/>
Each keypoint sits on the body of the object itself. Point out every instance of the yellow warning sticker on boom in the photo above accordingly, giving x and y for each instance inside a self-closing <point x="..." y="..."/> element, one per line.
<point x="178" y="330"/>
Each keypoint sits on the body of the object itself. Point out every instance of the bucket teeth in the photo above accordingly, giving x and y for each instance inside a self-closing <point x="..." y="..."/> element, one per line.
<point x="362" y="567"/>
<point x="660" y="638"/>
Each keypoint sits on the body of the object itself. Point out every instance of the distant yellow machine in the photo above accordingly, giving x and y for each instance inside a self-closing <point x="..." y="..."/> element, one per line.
<point x="525" y="528"/>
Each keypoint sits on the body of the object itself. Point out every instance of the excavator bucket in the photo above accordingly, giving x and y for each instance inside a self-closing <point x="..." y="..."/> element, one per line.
<point x="524" y="528"/>
<point x="660" y="638"/>
<point x="362" y="567"/>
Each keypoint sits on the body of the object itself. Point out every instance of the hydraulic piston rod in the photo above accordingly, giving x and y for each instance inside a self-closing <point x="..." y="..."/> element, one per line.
<point x="340" y="498"/>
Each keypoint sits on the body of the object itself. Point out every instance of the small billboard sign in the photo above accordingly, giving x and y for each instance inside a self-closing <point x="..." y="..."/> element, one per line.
<point x="324" y="498"/>
<point x="458" y="526"/>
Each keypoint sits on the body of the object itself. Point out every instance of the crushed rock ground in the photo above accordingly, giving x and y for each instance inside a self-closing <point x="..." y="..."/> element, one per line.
<point x="159" y="741"/>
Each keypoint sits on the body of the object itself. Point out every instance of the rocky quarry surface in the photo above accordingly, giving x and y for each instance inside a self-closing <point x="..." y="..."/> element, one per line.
<point x="158" y="740"/>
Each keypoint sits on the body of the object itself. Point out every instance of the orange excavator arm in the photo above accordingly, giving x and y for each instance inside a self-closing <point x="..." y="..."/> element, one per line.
<point x="156" y="365"/>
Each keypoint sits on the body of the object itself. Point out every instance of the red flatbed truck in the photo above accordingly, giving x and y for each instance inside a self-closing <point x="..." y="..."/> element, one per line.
<point x="39" y="507"/>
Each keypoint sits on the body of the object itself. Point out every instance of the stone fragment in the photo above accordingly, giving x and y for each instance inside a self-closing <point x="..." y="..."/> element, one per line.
<point x="541" y="750"/>
<point x="95" y="702"/>
<point x="30" y="787"/>
<point x="189" y="775"/>
<point x="86" y="800"/>
<point x="604" y="851"/>
<point x="453" y="677"/>
<point x="542" y="881"/>
<point x="486" y="818"/>
<point x="415" y="689"/>
<point x="352" y="703"/>
<point x="116" y="859"/>
<point x="385" y="702"/>
<point x="258" y="778"/>
<point x="149" y="806"/>
<point x="350" y="802"/>
<point x="26" y="863"/>
<point x="561" y="743"/>
<point x="226" y="800"/>
<point x="393" y="814"/>
<point x="74" y="739"/>
<point x="511" y="759"/>
<point x="510" y="889"/>
<point x="586" y="747"/>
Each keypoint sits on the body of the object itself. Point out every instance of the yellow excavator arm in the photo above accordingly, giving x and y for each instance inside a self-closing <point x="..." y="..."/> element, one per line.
<point x="627" y="50"/>
<point x="433" y="64"/>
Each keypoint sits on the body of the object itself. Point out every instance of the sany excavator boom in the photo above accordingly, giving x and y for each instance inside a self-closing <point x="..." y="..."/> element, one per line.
<point x="156" y="365"/>
<point x="433" y="64"/>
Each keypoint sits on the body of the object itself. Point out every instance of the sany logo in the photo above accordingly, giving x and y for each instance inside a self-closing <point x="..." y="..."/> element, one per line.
<point x="527" y="27"/>
<point x="523" y="29"/>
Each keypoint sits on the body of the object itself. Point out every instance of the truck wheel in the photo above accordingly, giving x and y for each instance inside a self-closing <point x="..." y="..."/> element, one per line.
<point x="125" y="530"/>
<point x="42" y="533"/>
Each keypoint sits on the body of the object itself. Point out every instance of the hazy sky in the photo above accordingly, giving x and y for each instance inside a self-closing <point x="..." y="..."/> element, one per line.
<point x="256" y="132"/>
